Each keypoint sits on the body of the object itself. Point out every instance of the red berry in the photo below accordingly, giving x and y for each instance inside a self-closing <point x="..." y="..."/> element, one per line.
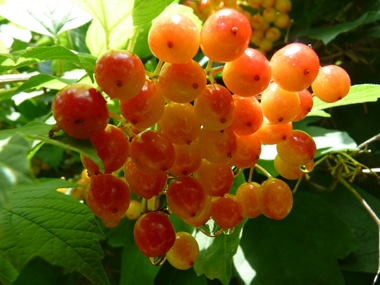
<point x="80" y="110"/>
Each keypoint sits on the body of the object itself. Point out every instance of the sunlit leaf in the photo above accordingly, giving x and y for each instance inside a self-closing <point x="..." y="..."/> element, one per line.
<point x="40" y="54"/>
<point x="47" y="17"/>
<point x="114" y="20"/>
<point x="358" y="94"/>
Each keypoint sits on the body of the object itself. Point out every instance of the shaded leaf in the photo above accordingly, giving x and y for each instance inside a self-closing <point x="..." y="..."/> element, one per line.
<point x="303" y="248"/>
<point x="328" y="34"/>
<point x="14" y="166"/>
<point x="136" y="268"/>
<point x="171" y="276"/>
<point x="8" y="273"/>
<point x="43" y="222"/>
<point x="349" y="209"/>
<point x="358" y="94"/>
<point x="47" y="17"/>
<point x="40" y="131"/>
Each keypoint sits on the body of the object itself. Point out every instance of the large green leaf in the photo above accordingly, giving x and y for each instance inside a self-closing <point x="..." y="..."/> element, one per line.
<point x="43" y="81"/>
<point x="40" y="131"/>
<point x="136" y="267"/>
<point x="8" y="273"/>
<point x="303" y="248"/>
<point x="358" y="94"/>
<point x="328" y="34"/>
<point x="216" y="254"/>
<point x="14" y="166"/>
<point x="365" y="258"/>
<point x="48" y="17"/>
<point x="39" y="54"/>
<point x="168" y="275"/>
<point x="56" y="227"/>
<point x="114" y="20"/>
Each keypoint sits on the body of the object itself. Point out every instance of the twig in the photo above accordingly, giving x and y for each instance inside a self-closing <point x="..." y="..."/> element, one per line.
<point x="371" y="212"/>
<point x="374" y="138"/>
<point x="14" y="78"/>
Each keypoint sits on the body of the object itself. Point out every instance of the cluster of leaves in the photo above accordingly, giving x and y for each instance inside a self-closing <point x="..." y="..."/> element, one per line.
<point x="47" y="237"/>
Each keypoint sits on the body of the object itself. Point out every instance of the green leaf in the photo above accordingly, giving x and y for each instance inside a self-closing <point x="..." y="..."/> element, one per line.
<point x="303" y="248"/>
<point x="358" y="94"/>
<point x="3" y="48"/>
<point x="114" y="20"/>
<point x="318" y="113"/>
<point x="35" y="55"/>
<point x="8" y="273"/>
<point x="136" y="267"/>
<point x="169" y="275"/>
<point x="328" y="34"/>
<point x="181" y="9"/>
<point x="349" y="209"/>
<point x="14" y="166"/>
<point x="40" y="131"/>
<point x="374" y="32"/>
<point x="56" y="227"/>
<point x="47" y="17"/>
<point x="44" y="81"/>
<point x="39" y="272"/>
<point x="216" y="254"/>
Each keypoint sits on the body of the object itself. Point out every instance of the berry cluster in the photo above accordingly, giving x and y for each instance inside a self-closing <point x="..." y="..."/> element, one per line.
<point x="266" y="17"/>
<point x="176" y="125"/>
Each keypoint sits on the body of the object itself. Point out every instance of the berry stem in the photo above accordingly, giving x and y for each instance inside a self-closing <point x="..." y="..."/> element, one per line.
<point x="144" y="206"/>
<point x="208" y="72"/>
<point x="212" y="235"/>
<point x="149" y="74"/>
<point x="250" y="174"/>
<point x="296" y="187"/>
<point x="116" y="116"/>
<point x="127" y="128"/>
<point x="133" y="39"/>
<point x="369" y="210"/>
<point x="267" y="174"/>
<point x="217" y="70"/>
<point x="158" y="69"/>
<point x="161" y="260"/>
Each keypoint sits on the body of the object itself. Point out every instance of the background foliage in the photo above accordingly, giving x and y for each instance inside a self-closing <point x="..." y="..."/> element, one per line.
<point x="50" y="238"/>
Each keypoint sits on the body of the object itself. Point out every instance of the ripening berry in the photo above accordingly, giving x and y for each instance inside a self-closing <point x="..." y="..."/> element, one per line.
<point x="298" y="149"/>
<point x="167" y="35"/>
<point x="120" y="74"/>
<point x="275" y="199"/>
<point x="154" y="234"/>
<point x="295" y="67"/>
<point x="80" y="110"/>
<point x="227" y="211"/>
<point x="184" y="252"/>
<point x="282" y="21"/>
<point x="225" y="35"/>
<point x="332" y="84"/>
